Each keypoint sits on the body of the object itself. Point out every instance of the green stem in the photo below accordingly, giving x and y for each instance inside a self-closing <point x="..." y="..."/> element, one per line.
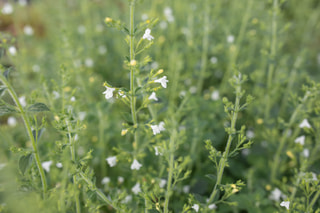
<point x="205" y="47"/>
<point x="276" y="160"/>
<point x="271" y="67"/>
<point x="313" y="201"/>
<point x="94" y="188"/>
<point x="29" y="131"/>
<point x="171" y="167"/>
<point x="224" y="158"/>
<point x="73" y="158"/>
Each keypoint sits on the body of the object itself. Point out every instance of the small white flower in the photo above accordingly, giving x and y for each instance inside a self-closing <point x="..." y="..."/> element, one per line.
<point x="162" y="183"/>
<point x="168" y="14"/>
<point x="12" y="50"/>
<point x="250" y="134"/>
<point x="28" y="30"/>
<point x="120" y="179"/>
<point x="230" y="38"/>
<point x="76" y="137"/>
<point x="7" y="9"/>
<point x="2" y="165"/>
<point x="275" y="195"/>
<point x="285" y="204"/>
<point x="36" y="68"/>
<point x="147" y="35"/>
<point x="300" y="139"/>
<point x="212" y="206"/>
<point x="23" y="2"/>
<point x="73" y="99"/>
<point x="135" y="165"/>
<point x="193" y="89"/>
<point x="127" y="199"/>
<point x="154" y="65"/>
<point x="195" y="207"/>
<point x="144" y="17"/>
<point x="102" y="50"/>
<point x="186" y="189"/>
<point x="22" y="101"/>
<point x="182" y="93"/>
<point x="82" y="115"/>
<point x="157" y="152"/>
<point x="306" y="153"/>
<point x="122" y="94"/>
<point x="59" y="165"/>
<point x="112" y="161"/>
<point x="46" y="165"/>
<point x="105" y="180"/>
<point x="304" y="124"/>
<point x="81" y="29"/>
<point x="215" y="95"/>
<point x="12" y="121"/>
<point x="245" y="152"/>
<point x="109" y="92"/>
<point x="153" y="96"/>
<point x="213" y="60"/>
<point x="88" y="62"/>
<point x="136" y="189"/>
<point x="157" y="128"/>
<point x="314" y="176"/>
<point x="163" y="25"/>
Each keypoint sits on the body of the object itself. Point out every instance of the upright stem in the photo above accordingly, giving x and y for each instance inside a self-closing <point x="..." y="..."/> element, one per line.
<point x="171" y="167"/>
<point x="73" y="158"/>
<point x="132" y="69"/>
<point x="224" y="158"/>
<point x="205" y="47"/>
<point x="273" y="50"/>
<point x="29" y="131"/>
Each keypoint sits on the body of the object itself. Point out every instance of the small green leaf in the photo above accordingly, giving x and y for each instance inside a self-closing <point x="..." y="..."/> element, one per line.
<point x="37" y="137"/>
<point x="211" y="177"/>
<point x="127" y="117"/>
<point x="6" y="73"/>
<point x="6" y="110"/>
<point x="24" y="162"/>
<point x="2" y="90"/>
<point x="38" y="107"/>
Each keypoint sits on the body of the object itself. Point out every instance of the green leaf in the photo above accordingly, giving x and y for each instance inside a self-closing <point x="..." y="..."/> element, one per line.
<point x="6" y="73"/>
<point x="2" y="90"/>
<point x="38" y="107"/>
<point x="127" y="117"/>
<point x="24" y="162"/>
<point x="37" y="137"/>
<point x="6" y="110"/>
<point x="211" y="177"/>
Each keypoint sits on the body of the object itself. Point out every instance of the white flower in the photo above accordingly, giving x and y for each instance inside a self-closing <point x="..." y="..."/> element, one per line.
<point x="120" y="179"/>
<point x="162" y="183"/>
<point x="122" y="94"/>
<point x="275" y="195"/>
<point x="163" y="81"/>
<point x="136" y="189"/>
<point x="7" y="9"/>
<point x="109" y="92"/>
<point x="212" y="206"/>
<point x="105" y="180"/>
<point x="314" y="176"/>
<point x="22" y="101"/>
<point x="135" y="165"/>
<point x="73" y="99"/>
<point x="36" y="68"/>
<point x="156" y="149"/>
<point x="186" y="189"/>
<point x="46" y="165"/>
<point x="12" y="121"/>
<point x="304" y="124"/>
<point x="285" y="204"/>
<point x="81" y="29"/>
<point x="193" y="89"/>
<point x="102" y="50"/>
<point x="306" y="153"/>
<point x="112" y="161"/>
<point x="59" y="165"/>
<point x="230" y="38"/>
<point x="127" y="199"/>
<point x="157" y="128"/>
<point x="2" y="165"/>
<point x="28" y="30"/>
<point x="82" y="115"/>
<point x="215" y="95"/>
<point x="88" y="62"/>
<point x="153" y="96"/>
<point x="23" y="2"/>
<point x="250" y="134"/>
<point x="300" y="139"/>
<point x="168" y="14"/>
<point x="12" y="50"/>
<point x="147" y="35"/>
<point x="213" y="60"/>
<point x="195" y="207"/>
<point x="144" y="17"/>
